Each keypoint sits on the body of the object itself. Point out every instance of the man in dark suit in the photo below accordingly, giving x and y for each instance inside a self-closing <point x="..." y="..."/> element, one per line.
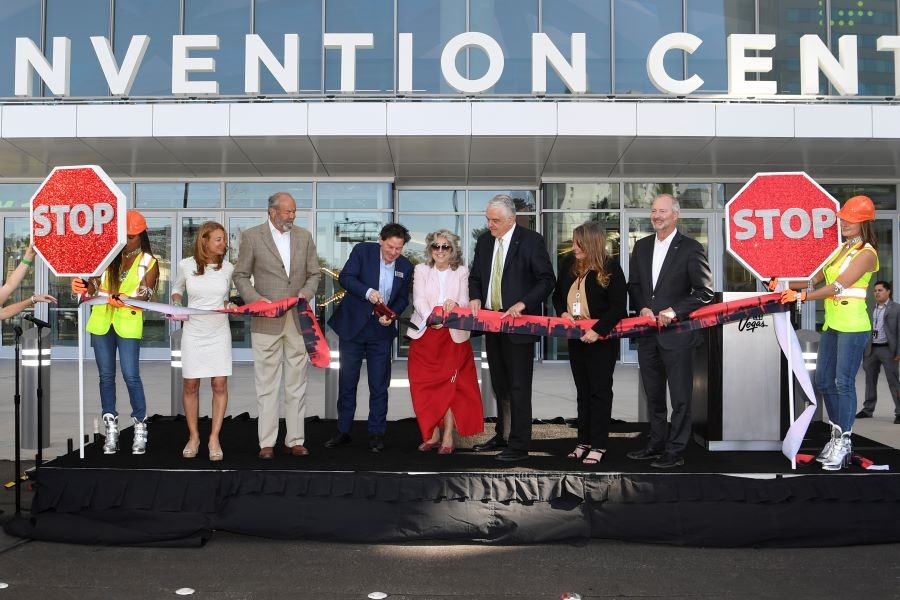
<point x="511" y="272"/>
<point x="669" y="277"/>
<point x="883" y="350"/>
<point x="374" y="273"/>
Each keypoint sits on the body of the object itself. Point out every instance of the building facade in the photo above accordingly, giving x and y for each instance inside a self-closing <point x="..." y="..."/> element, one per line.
<point x="419" y="111"/>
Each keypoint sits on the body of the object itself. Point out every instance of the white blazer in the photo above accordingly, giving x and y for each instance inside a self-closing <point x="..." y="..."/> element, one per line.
<point x="427" y="288"/>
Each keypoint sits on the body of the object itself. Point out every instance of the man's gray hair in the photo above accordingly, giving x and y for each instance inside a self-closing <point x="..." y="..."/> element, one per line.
<point x="505" y="202"/>
<point x="273" y="199"/>
<point x="676" y="205"/>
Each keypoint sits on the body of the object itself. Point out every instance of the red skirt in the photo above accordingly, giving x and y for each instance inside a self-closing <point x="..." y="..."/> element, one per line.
<point x="441" y="376"/>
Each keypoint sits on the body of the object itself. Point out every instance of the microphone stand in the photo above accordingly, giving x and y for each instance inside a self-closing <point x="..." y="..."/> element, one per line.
<point x="17" y="401"/>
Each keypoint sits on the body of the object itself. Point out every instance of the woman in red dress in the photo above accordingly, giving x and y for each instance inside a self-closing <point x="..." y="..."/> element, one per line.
<point x="442" y="379"/>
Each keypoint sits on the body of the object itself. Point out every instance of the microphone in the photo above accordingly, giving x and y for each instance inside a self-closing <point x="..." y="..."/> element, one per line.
<point x="37" y="321"/>
<point x="17" y="330"/>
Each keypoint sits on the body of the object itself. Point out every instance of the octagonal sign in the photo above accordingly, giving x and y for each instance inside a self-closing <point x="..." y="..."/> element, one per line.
<point x="78" y="220"/>
<point x="782" y="225"/>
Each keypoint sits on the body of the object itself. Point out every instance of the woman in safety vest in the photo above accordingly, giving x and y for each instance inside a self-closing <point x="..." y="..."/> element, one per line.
<point x="847" y="327"/>
<point x="131" y="274"/>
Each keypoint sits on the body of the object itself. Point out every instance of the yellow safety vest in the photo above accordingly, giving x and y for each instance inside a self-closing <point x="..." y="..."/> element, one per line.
<point x="847" y="312"/>
<point x="127" y="322"/>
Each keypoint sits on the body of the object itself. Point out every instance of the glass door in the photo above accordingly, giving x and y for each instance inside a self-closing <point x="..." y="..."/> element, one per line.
<point x="161" y="229"/>
<point x="695" y="225"/>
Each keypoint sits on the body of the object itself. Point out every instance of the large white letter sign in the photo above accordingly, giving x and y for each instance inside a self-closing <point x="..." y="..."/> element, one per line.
<point x="120" y="80"/>
<point x="404" y="63"/>
<point x="483" y="42"/>
<point x="287" y="75"/>
<point x="739" y="64"/>
<point x="815" y="55"/>
<point x="573" y="74"/>
<point x="183" y="65"/>
<point x="29" y="58"/>
<point x="891" y="43"/>
<point x="656" y="68"/>
<point x="347" y="43"/>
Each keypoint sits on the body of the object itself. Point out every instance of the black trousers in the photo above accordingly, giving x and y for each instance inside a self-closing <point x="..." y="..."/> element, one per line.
<point x="592" y="369"/>
<point x="675" y="367"/>
<point x="512" y="367"/>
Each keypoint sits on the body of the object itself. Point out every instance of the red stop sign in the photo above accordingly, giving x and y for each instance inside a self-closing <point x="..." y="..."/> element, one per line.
<point x="78" y="220"/>
<point x="782" y="225"/>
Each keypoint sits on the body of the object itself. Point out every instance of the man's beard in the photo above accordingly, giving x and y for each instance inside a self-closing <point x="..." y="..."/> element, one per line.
<point x="283" y="226"/>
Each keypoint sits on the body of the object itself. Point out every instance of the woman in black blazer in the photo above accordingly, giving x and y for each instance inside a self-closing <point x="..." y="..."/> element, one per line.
<point x="591" y="285"/>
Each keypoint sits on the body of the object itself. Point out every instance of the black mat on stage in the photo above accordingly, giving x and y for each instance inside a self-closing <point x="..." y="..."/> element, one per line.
<point x="349" y="494"/>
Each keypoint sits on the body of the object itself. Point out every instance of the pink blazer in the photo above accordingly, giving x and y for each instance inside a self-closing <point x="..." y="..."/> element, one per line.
<point x="427" y="287"/>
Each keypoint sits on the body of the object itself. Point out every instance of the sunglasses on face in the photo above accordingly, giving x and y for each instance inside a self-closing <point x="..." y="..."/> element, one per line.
<point x="444" y="247"/>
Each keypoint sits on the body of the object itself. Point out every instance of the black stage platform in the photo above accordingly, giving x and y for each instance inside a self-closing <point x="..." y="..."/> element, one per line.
<point x="349" y="494"/>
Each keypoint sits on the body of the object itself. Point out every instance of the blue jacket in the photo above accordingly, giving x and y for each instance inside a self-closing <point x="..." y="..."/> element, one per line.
<point x="361" y="273"/>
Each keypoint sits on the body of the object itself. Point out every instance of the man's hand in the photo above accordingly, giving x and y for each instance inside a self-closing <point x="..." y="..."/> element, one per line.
<point x="515" y="310"/>
<point x="375" y="297"/>
<point x="474" y="306"/>
<point x="302" y="296"/>
<point x="384" y="321"/>
<point x="665" y="316"/>
<point x="646" y="312"/>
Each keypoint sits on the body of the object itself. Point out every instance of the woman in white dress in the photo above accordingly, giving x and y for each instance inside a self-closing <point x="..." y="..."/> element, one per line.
<point x="206" y="339"/>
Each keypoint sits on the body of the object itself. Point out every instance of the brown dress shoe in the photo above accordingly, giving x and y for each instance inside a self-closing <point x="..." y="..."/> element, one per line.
<point x="298" y="450"/>
<point x="267" y="453"/>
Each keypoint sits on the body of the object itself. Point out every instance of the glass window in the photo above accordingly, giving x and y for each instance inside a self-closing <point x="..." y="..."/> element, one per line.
<point x="177" y="195"/>
<point x="561" y="19"/>
<point x="274" y="18"/>
<point x="433" y="23"/>
<point x="789" y="20"/>
<point x="17" y="195"/>
<point x="78" y="21"/>
<point x="883" y="195"/>
<point x="525" y="200"/>
<point x="713" y="21"/>
<point x="353" y="196"/>
<point x="125" y="188"/>
<point x="581" y="196"/>
<point x="256" y="195"/>
<point x="374" y="66"/>
<point x="510" y="23"/>
<point x="432" y="200"/>
<point x="230" y="20"/>
<point x="16" y="237"/>
<point x="689" y="195"/>
<point x="20" y="18"/>
<point x="156" y="327"/>
<point x="160" y="20"/>
<point x="639" y="24"/>
<point x="240" y="327"/>
<point x="867" y="20"/>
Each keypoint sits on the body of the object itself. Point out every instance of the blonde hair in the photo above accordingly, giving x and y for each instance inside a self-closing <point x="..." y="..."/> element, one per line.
<point x="591" y="238"/>
<point x="452" y="240"/>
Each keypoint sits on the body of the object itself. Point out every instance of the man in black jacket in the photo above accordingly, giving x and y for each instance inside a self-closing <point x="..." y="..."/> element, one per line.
<point x="511" y="272"/>
<point x="669" y="277"/>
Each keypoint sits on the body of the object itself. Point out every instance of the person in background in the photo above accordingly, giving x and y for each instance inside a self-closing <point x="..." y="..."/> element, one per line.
<point x="374" y="274"/>
<point x="591" y="285"/>
<point x="883" y="350"/>
<point x="847" y="329"/>
<point x="205" y="339"/>
<point x="116" y="327"/>
<point x="12" y="284"/>
<point x="442" y="379"/>
<point x="281" y="259"/>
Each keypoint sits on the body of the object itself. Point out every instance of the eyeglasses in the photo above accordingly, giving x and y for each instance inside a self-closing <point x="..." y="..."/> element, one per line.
<point x="444" y="247"/>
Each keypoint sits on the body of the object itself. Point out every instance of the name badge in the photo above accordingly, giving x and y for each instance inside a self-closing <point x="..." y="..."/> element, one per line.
<point x="398" y="274"/>
<point x="576" y="309"/>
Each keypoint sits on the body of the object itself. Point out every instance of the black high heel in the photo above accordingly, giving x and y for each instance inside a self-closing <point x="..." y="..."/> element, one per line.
<point x="579" y="451"/>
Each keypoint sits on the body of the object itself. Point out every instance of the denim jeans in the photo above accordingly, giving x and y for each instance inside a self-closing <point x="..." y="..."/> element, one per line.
<point x="840" y="355"/>
<point x="130" y="360"/>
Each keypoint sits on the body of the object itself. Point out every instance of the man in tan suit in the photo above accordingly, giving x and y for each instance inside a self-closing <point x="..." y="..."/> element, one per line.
<point x="283" y="263"/>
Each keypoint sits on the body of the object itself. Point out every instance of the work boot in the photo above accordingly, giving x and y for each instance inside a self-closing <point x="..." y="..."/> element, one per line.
<point x="139" y="445"/>
<point x="111" y="445"/>
<point x="826" y="451"/>
<point x="841" y="454"/>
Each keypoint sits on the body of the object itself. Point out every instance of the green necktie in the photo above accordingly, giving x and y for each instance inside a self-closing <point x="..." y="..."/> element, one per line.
<point x="496" y="277"/>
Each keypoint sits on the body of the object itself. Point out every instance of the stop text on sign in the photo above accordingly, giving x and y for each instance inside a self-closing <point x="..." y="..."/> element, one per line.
<point x="78" y="219"/>
<point x="794" y="223"/>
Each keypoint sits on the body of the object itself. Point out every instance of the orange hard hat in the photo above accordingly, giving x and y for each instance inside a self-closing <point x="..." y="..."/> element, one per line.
<point x="136" y="222"/>
<point x="858" y="209"/>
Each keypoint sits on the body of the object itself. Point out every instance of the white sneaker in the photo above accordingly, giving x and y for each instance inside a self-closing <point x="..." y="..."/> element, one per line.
<point x="840" y="455"/>
<point x="111" y="445"/>
<point x="139" y="446"/>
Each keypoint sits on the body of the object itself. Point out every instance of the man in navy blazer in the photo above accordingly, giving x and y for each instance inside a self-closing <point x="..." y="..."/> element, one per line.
<point x="668" y="278"/>
<point x="374" y="273"/>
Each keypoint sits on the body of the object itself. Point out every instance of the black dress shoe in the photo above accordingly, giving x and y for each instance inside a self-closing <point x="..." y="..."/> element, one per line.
<point x="376" y="444"/>
<point x="647" y="453"/>
<point x="492" y="444"/>
<point x="863" y="415"/>
<point x="667" y="461"/>
<point x="339" y="439"/>
<point x="897" y="420"/>
<point x="510" y="455"/>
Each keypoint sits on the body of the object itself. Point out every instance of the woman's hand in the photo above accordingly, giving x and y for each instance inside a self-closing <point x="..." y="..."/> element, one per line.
<point x="43" y="298"/>
<point x="567" y="317"/>
<point x="30" y="252"/>
<point x="590" y="337"/>
<point x="449" y="305"/>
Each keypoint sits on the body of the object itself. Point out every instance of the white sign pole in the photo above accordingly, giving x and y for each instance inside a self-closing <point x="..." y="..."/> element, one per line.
<point x="81" y="380"/>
